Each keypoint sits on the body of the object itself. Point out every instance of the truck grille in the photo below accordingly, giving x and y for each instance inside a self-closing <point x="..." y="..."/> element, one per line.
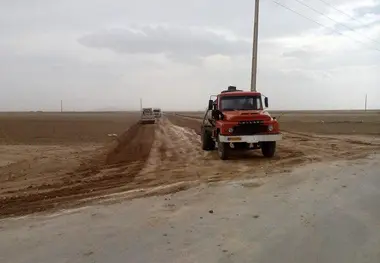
<point x="249" y="129"/>
<point x="251" y="122"/>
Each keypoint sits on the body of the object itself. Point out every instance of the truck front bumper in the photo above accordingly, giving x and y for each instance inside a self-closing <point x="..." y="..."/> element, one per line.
<point x="251" y="138"/>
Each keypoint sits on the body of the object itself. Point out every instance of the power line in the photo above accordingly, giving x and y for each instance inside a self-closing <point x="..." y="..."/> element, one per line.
<point x="321" y="13"/>
<point x="340" y="11"/>
<point x="312" y="20"/>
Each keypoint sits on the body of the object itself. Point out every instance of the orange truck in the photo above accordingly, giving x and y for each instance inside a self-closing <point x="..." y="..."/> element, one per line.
<point x="237" y="120"/>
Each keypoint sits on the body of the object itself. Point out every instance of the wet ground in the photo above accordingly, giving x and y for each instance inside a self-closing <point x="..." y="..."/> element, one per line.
<point x="324" y="212"/>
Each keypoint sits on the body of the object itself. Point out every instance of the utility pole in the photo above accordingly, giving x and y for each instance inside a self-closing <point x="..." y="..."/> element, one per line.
<point x="140" y="104"/>
<point x="61" y="106"/>
<point x="365" y="103"/>
<point x="254" y="47"/>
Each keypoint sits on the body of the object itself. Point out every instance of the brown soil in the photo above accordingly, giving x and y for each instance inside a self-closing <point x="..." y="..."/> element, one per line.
<point x="146" y="159"/>
<point x="62" y="128"/>
<point x="108" y="171"/>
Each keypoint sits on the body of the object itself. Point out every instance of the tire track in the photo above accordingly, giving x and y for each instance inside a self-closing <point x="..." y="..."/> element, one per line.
<point x="191" y="163"/>
<point x="175" y="147"/>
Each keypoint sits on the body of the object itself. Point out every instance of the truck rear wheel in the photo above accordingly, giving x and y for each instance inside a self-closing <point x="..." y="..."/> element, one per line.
<point x="208" y="143"/>
<point x="268" y="149"/>
<point x="223" y="150"/>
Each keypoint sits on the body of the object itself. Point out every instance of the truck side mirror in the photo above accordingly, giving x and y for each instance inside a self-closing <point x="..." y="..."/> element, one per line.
<point x="266" y="102"/>
<point x="210" y="104"/>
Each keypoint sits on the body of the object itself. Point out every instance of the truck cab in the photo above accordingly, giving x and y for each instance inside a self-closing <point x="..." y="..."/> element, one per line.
<point x="236" y="120"/>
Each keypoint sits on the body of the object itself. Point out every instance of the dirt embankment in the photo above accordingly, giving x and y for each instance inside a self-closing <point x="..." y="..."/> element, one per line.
<point x="108" y="171"/>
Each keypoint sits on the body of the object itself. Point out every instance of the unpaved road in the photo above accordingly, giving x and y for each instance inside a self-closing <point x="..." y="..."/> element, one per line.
<point x="150" y="160"/>
<point x="318" y="213"/>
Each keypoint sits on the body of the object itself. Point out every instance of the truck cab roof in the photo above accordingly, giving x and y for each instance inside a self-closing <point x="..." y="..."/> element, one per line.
<point x="240" y="93"/>
<point x="232" y="91"/>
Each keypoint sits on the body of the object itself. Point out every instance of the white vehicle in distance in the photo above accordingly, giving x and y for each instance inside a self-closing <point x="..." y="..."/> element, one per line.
<point x="147" y="116"/>
<point x="157" y="112"/>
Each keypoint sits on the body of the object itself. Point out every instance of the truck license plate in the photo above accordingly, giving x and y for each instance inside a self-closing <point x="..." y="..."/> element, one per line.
<point x="234" y="139"/>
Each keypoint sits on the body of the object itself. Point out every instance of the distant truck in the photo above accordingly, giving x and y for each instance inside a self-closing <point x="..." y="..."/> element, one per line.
<point x="157" y="112"/>
<point x="147" y="116"/>
<point x="236" y="119"/>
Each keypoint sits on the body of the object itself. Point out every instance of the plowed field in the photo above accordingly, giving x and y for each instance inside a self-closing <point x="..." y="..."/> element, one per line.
<point x="70" y="159"/>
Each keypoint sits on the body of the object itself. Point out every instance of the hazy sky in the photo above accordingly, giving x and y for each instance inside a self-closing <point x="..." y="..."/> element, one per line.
<point x="97" y="54"/>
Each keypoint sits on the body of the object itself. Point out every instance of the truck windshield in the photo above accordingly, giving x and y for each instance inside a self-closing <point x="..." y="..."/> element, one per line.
<point x="240" y="103"/>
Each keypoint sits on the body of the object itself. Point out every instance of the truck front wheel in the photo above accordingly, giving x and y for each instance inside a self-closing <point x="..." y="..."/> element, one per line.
<point x="223" y="150"/>
<point x="208" y="143"/>
<point x="268" y="149"/>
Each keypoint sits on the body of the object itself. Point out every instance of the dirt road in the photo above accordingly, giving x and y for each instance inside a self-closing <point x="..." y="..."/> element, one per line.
<point x="319" y="213"/>
<point x="150" y="160"/>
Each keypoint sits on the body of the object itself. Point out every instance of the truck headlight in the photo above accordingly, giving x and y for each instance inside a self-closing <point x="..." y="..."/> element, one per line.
<point x="270" y="128"/>
<point x="231" y="130"/>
